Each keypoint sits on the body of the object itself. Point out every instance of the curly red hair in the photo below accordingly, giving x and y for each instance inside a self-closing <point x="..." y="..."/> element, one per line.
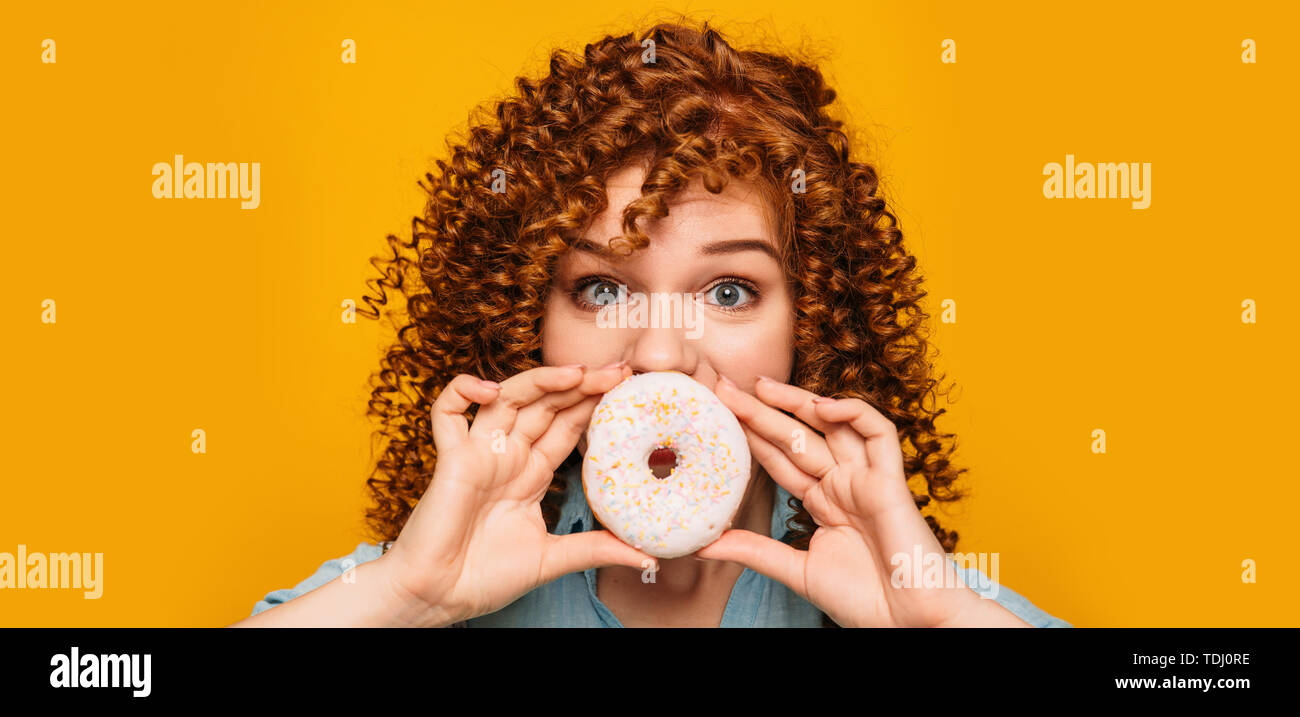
<point x="476" y="272"/>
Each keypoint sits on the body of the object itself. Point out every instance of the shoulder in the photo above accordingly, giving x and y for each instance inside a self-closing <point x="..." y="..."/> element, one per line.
<point x="328" y="570"/>
<point x="1016" y="603"/>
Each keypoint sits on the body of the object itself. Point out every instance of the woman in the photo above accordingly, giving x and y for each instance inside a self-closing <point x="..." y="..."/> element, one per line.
<point x="667" y="164"/>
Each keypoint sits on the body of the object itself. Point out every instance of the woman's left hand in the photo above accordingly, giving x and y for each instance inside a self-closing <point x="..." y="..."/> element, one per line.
<point x="849" y="475"/>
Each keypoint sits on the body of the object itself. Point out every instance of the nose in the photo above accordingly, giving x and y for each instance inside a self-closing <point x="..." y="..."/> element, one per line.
<point x="663" y="349"/>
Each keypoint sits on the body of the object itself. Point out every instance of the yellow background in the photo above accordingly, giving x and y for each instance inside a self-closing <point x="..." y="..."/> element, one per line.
<point x="1072" y="315"/>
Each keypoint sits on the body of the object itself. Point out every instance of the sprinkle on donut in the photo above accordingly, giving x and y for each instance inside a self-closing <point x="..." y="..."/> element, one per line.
<point x="694" y="504"/>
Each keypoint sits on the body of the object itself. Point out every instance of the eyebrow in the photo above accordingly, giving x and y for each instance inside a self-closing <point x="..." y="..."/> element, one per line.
<point x="715" y="248"/>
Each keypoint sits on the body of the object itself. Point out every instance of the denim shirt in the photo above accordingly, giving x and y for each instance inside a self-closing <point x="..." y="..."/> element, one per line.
<point x="571" y="601"/>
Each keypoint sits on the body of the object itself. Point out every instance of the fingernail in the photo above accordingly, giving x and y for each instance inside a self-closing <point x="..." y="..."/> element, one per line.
<point x="616" y="364"/>
<point x="488" y="384"/>
<point x="579" y="366"/>
<point x="761" y="377"/>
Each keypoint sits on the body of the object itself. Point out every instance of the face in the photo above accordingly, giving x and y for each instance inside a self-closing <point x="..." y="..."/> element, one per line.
<point x="715" y="252"/>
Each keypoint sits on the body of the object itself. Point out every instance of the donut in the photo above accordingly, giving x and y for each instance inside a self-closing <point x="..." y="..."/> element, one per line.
<point x="678" y="514"/>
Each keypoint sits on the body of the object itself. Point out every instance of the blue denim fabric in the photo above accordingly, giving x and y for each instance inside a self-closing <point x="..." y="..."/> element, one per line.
<point x="570" y="601"/>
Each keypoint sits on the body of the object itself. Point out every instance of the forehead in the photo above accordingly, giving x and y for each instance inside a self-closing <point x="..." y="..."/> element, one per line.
<point x="695" y="215"/>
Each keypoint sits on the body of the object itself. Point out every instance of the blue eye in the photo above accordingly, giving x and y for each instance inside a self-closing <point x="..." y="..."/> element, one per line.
<point x="602" y="293"/>
<point x="730" y="294"/>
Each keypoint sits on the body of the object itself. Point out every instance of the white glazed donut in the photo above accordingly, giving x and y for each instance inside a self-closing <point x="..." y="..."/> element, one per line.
<point x="677" y="515"/>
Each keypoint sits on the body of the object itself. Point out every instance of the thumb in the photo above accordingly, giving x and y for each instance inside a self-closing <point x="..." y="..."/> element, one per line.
<point x="591" y="549"/>
<point x="761" y="554"/>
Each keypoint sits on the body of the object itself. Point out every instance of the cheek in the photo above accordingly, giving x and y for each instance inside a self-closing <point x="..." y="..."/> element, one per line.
<point x="556" y="335"/>
<point x="764" y="346"/>
<point x="570" y="336"/>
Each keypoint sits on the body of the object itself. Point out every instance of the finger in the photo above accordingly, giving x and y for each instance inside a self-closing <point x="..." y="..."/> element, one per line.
<point x="884" y="486"/>
<point x="793" y="399"/>
<point x="846" y="445"/>
<point x="450" y="427"/>
<point x="519" y="391"/>
<point x="782" y="470"/>
<point x="558" y="441"/>
<point x="812" y="457"/>
<point x="591" y="549"/>
<point x="535" y="418"/>
<point x="860" y="437"/>
<point x="761" y="554"/>
<point x="883" y="448"/>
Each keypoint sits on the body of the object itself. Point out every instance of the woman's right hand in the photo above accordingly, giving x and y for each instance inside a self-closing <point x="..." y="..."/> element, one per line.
<point x="476" y="541"/>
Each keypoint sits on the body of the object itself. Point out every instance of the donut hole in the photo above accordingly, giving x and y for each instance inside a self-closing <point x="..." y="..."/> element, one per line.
<point x="662" y="461"/>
